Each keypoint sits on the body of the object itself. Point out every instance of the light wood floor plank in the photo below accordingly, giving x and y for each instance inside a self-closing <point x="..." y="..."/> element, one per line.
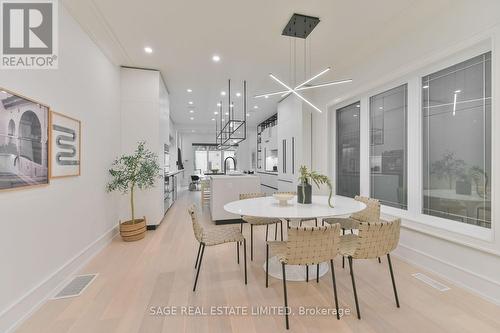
<point x="158" y="271"/>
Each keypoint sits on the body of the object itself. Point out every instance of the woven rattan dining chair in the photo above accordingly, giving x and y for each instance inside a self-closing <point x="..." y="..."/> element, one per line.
<point x="253" y="220"/>
<point x="215" y="235"/>
<point x="372" y="241"/>
<point x="306" y="246"/>
<point x="370" y="214"/>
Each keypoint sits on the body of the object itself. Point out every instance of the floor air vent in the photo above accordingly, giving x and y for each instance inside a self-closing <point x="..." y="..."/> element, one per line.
<point x="431" y="282"/>
<point x="76" y="286"/>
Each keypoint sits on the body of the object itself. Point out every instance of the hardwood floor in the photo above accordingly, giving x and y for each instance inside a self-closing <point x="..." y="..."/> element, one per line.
<point x="158" y="271"/>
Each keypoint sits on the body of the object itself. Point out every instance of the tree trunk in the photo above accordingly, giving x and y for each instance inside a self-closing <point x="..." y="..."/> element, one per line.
<point x="132" y="203"/>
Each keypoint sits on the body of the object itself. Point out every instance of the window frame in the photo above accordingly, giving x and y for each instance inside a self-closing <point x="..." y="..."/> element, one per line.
<point x="208" y="148"/>
<point x="413" y="218"/>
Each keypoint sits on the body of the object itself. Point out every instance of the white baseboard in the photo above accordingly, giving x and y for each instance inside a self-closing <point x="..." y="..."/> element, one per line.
<point x="12" y="317"/>
<point x="459" y="276"/>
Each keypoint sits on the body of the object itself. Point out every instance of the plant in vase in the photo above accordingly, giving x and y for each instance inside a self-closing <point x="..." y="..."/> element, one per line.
<point x="304" y="189"/>
<point x="448" y="167"/>
<point x="129" y="172"/>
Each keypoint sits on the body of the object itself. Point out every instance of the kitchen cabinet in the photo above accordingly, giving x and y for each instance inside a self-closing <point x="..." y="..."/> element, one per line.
<point x="268" y="182"/>
<point x="294" y="141"/>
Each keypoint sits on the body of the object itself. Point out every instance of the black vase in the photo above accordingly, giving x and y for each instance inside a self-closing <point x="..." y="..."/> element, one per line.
<point x="304" y="193"/>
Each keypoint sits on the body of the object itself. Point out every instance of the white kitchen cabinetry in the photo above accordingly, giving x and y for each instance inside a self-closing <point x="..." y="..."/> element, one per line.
<point x="294" y="141"/>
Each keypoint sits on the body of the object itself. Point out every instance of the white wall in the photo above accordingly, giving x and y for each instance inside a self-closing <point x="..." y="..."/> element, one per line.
<point x="392" y="56"/>
<point x="48" y="231"/>
<point x="144" y="117"/>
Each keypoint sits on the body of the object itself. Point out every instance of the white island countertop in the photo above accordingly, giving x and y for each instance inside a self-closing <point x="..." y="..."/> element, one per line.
<point x="227" y="188"/>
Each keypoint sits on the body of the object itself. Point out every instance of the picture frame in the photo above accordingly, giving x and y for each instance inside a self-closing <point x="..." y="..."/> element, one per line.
<point x="65" y="137"/>
<point x="24" y="142"/>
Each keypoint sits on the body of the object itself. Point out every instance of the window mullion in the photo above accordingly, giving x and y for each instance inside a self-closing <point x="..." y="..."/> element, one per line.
<point x="414" y="146"/>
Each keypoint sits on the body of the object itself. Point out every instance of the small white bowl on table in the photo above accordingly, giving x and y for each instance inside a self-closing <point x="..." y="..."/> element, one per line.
<point x="283" y="198"/>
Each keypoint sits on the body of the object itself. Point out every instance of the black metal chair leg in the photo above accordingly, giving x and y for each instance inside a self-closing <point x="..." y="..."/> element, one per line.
<point x="199" y="266"/>
<point x="267" y="265"/>
<point x="354" y="287"/>
<point x="238" y="252"/>
<point x="281" y="223"/>
<point x="245" y="255"/>
<point x="317" y="273"/>
<point x="267" y="231"/>
<point x="251" y="242"/>
<point x="197" y="257"/>
<point x="307" y="273"/>
<point x="393" y="281"/>
<point x="316" y="222"/>
<point x="343" y="258"/>
<point x="276" y="231"/>
<point x="241" y="228"/>
<point x="335" y="289"/>
<point x="284" y="293"/>
<point x="379" y="261"/>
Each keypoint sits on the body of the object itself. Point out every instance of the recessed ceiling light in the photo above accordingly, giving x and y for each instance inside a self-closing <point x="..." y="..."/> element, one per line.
<point x="227" y="113"/>
<point x="358" y="106"/>
<point x="232" y="105"/>
<point x="216" y="112"/>
<point x="266" y="96"/>
<point x="147" y="49"/>
<point x="223" y="93"/>
<point x="458" y="91"/>
<point x="223" y="119"/>
<point x="238" y="94"/>
<point x="189" y="90"/>
<point x="255" y="107"/>
<point x="218" y="104"/>
<point x="190" y="103"/>
<point x="380" y="108"/>
<point x="192" y="118"/>
<point x="213" y="119"/>
<point x="216" y="58"/>
<point x="191" y="111"/>
<point x="425" y="87"/>
<point x="248" y="114"/>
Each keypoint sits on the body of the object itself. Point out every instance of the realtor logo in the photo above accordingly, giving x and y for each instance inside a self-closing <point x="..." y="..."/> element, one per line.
<point x="29" y="34"/>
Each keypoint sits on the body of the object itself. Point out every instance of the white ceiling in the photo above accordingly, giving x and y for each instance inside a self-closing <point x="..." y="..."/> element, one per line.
<point x="184" y="35"/>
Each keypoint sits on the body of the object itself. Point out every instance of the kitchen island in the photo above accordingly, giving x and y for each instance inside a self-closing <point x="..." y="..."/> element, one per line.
<point x="227" y="188"/>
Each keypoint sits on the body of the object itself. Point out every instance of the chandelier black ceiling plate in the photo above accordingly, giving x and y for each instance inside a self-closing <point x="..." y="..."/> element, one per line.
<point x="300" y="26"/>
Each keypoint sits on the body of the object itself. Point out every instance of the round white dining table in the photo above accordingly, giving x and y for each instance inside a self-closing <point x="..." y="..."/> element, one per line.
<point x="294" y="212"/>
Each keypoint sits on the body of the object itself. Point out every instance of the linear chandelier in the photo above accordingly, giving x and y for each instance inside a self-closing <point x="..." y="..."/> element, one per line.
<point x="300" y="26"/>
<point x="231" y="131"/>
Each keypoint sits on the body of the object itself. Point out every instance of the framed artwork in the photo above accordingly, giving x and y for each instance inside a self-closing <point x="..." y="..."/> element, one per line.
<point x="24" y="142"/>
<point x="65" y="138"/>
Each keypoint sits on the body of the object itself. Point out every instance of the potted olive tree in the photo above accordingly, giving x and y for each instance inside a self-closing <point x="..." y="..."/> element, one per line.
<point x="304" y="189"/>
<point x="131" y="172"/>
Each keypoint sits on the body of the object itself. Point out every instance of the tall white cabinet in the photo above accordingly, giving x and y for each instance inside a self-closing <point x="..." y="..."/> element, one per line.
<point x="145" y="116"/>
<point x="294" y="141"/>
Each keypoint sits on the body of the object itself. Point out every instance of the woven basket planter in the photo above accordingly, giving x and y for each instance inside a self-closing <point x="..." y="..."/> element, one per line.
<point x="133" y="231"/>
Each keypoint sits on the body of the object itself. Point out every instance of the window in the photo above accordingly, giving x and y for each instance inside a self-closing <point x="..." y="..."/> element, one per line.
<point x="348" y="150"/>
<point x="208" y="158"/>
<point x="214" y="160"/>
<point x="230" y="163"/>
<point x="388" y="179"/>
<point x="200" y="160"/>
<point x="456" y="104"/>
